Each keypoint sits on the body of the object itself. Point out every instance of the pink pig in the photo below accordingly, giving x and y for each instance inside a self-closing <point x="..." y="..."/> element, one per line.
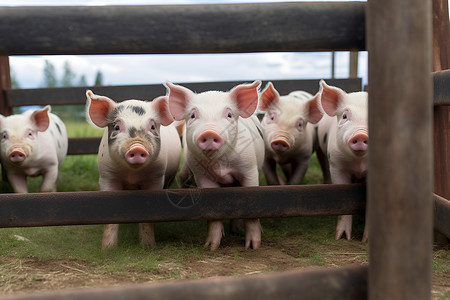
<point x="33" y="143"/>
<point x="223" y="144"/>
<point x="343" y="136"/>
<point x="289" y="133"/>
<point x="140" y="149"/>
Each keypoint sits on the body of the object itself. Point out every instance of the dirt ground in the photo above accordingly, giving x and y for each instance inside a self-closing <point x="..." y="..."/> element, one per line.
<point x="30" y="275"/>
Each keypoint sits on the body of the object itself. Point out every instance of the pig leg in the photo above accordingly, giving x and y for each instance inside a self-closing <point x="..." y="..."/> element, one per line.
<point x="110" y="231"/>
<point x="253" y="232"/>
<point x="344" y="223"/>
<point x="215" y="229"/>
<point x="270" y="171"/>
<point x="214" y="234"/>
<point x="298" y="171"/>
<point x="110" y="235"/>
<point x="49" y="179"/>
<point x="18" y="182"/>
<point x="253" y="228"/>
<point x="147" y="234"/>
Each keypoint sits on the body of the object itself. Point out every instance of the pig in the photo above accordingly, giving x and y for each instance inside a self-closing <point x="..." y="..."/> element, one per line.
<point x="33" y="143"/>
<point x="223" y="144"/>
<point x="289" y="133"/>
<point x="343" y="136"/>
<point x="140" y="149"/>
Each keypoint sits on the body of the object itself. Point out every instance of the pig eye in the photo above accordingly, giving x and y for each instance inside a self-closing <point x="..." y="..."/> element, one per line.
<point x="152" y="126"/>
<point x="194" y="115"/>
<point x="344" y="116"/>
<point x="116" y="127"/>
<point x="30" y="134"/>
<point x="300" y="123"/>
<point x="229" y="115"/>
<point x="4" y="136"/>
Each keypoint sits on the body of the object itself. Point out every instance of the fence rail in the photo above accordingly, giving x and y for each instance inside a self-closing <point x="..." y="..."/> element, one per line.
<point x="229" y="28"/>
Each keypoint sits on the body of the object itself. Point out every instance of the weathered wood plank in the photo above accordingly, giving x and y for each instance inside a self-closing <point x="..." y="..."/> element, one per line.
<point x="441" y="88"/>
<point x="348" y="283"/>
<point x="400" y="161"/>
<point x="86" y="145"/>
<point x="442" y="215"/>
<point x="226" y="28"/>
<point x="70" y="208"/>
<point x="77" y="95"/>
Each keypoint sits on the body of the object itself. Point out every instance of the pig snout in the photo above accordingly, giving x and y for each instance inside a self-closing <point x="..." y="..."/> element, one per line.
<point x="136" y="155"/>
<point x="359" y="141"/>
<point x="17" y="156"/>
<point x="280" y="145"/>
<point x="209" y="140"/>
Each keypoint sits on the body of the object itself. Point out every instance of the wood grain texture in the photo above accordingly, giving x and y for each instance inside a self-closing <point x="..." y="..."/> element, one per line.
<point x="226" y="28"/>
<point x="400" y="156"/>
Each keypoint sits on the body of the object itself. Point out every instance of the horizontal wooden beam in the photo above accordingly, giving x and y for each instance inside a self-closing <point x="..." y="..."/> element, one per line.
<point x="77" y="95"/>
<point x="85" y="145"/>
<point x="349" y="282"/>
<point x="441" y="87"/>
<point x="155" y="29"/>
<point x="442" y="215"/>
<point x="102" y="207"/>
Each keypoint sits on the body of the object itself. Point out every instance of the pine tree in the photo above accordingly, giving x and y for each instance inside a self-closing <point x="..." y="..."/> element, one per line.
<point x="82" y="81"/>
<point x="14" y="82"/>
<point x="50" y="79"/>
<point x="68" y="75"/>
<point x="98" y="78"/>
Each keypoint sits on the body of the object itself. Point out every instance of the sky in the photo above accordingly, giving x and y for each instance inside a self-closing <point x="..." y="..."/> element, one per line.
<point x="154" y="69"/>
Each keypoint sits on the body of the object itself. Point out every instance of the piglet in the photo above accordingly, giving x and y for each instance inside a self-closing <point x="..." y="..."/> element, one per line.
<point x="33" y="143"/>
<point x="223" y="144"/>
<point x="343" y="135"/>
<point x="140" y="149"/>
<point x="289" y="133"/>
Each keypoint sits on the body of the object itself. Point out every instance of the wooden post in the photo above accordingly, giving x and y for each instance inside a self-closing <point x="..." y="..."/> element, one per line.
<point x="353" y="67"/>
<point x="5" y="83"/>
<point x="400" y="157"/>
<point x="441" y="61"/>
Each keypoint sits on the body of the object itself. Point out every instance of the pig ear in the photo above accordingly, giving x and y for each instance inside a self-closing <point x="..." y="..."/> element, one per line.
<point x="161" y="105"/>
<point x="98" y="108"/>
<point x="179" y="96"/>
<point x="268" y="97"/>
<point x="312" y="107"/>
<point x="246" y="98"/>
<point x="41" y="119"/>
<point x="331" y="98"/>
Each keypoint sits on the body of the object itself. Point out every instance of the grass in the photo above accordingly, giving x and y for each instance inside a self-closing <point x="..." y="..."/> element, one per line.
<point x="176" y="241"/>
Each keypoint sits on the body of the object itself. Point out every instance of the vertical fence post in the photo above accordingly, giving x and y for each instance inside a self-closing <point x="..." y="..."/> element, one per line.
<point x="400" y="156"/>
<point x="5" y="83"/>
<point x="441" y="61"/>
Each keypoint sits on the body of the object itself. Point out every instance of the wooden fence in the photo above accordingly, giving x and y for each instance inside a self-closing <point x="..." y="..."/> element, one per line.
<point x="398" y="36"/>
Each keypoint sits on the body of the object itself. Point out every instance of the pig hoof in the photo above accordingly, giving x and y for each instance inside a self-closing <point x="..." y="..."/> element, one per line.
<point x="344" y="225"/>
<point x="214" y="235"/>
<point x="253" y="232"/>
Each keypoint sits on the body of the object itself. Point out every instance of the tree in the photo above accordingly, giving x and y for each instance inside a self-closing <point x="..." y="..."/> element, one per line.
<point x="98" y="78"/>
<point x="82" y="81"/>
<point x="14" y="82"/>
<point x="50" y="79"/>
<point x="68" y="75"/>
